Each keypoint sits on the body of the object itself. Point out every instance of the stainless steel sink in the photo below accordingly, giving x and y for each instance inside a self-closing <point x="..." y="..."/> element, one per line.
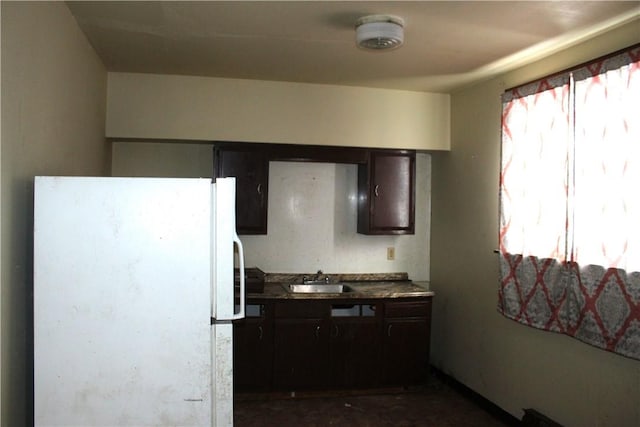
<point x="322" y="287"/>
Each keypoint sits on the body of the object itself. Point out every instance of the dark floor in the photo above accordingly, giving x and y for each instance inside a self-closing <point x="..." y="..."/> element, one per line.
<point x="437" y="404"/>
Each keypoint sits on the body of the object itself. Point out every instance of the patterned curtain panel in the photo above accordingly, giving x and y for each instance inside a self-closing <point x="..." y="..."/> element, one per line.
<point x="570" y="204"/>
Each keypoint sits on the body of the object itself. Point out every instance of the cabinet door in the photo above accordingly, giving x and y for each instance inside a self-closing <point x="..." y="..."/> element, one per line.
<point x="406" y="351"/>
<point x="300" y="354"/>
<point x="250" y="167"/>
<point x="354" y="346"/>
<point x="406" y="336"/>
<point x="386" y="187"/>
<point x="252" y="354"/>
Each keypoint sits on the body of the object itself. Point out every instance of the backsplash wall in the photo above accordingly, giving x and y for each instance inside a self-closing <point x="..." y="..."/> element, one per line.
<point x="312" y="213"/>
<point x="312" y="225"/>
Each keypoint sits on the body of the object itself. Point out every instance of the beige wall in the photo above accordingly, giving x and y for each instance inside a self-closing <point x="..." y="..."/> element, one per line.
<point x="312" y="212"/>
<point x="53" y="122"/>
<point x="162" y="159"/>
<point x="512" y="365"/>
<point x="201" y="108"/>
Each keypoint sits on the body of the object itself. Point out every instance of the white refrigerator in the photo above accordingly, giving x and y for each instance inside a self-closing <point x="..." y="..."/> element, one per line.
<point x="133" y="301"/>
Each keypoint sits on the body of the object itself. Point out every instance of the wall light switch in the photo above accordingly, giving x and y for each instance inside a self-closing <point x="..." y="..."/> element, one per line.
<point x="391" y="253"/>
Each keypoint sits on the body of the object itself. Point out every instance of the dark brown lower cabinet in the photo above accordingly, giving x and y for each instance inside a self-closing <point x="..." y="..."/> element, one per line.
<point x="300" y="354"/>
<point x="405" y="349"/>
<point x="318" y="344"/>
<point x="354" y="357"/>
<point x="253" y="351"/>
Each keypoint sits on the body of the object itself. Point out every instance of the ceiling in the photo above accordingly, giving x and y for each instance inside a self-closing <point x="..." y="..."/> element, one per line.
<point x="448" y="44"/>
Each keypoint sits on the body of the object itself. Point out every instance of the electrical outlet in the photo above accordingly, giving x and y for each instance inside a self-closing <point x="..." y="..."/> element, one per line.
<point x="391" y="253"/>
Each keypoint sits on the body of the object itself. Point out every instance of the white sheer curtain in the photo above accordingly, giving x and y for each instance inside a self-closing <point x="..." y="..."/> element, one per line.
<point x="536" y="131"/>
<point x="570" y="204"/>
<point x="607" y="169"/>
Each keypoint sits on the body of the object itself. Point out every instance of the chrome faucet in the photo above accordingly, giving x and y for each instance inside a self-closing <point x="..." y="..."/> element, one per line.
<point x="314" y="279"/>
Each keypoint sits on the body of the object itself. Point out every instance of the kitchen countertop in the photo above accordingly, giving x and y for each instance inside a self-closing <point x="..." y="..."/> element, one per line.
<point x="366" y="290"/>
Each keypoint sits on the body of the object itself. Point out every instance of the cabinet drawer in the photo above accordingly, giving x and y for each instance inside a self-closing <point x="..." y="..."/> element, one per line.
<point x="302" y="309"/>
<point x="407" y="309"/>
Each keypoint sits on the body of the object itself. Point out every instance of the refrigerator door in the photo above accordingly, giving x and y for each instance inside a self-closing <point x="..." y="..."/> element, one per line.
<point x="223" y="304"/>
<point x="121" y="283"/>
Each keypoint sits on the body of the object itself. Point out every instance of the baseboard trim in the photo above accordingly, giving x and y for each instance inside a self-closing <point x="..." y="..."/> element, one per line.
<point x="477" y="398"/>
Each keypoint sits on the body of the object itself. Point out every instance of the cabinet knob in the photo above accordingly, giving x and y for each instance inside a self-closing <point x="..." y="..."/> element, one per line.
<point x="375" y="190"/>
<point x="318" y="332"/>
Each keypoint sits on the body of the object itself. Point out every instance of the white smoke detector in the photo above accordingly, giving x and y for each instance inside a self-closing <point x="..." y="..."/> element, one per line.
<point x="380" y="32"/>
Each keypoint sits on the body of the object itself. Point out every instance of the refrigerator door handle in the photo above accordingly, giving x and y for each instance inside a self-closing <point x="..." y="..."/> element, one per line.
<point x="240" y="313"/>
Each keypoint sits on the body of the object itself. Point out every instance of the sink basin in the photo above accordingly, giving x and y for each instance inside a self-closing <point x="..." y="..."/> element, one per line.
<point x="326" y="288"/>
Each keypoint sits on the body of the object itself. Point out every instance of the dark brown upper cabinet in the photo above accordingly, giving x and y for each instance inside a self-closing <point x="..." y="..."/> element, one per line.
<point x="250" y="167"/>
<point x="386" y="182"/>
<point x="386" y="193"/>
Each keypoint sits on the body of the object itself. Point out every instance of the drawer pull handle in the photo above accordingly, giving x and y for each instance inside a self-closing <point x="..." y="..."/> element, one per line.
<point x="389" y="330"/>
<point x="259" y="189"/>
<point x="318" y="332"/>
<point x="260" y="333"/>
<point x="375" y="190"/>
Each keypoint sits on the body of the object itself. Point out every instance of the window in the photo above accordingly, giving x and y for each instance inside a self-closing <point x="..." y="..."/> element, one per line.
<point x="570" y="203"/>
